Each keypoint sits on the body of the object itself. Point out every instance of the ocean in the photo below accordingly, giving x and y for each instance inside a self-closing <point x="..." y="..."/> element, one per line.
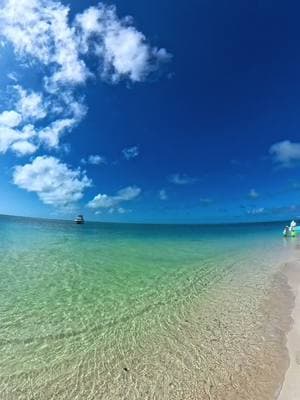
<point x="125" y="311"/>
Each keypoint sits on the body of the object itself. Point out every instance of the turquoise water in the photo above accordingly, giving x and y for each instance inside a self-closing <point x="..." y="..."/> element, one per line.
<point x="111" y="311"/>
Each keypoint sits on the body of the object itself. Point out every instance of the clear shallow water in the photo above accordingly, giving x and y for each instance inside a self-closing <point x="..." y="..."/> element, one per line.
<point x="108" y="311"/>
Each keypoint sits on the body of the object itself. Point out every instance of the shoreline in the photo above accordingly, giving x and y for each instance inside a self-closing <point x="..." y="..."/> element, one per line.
<point x="290" y="389"/>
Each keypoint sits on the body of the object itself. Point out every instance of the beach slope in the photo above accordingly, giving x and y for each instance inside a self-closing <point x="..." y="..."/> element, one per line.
<point x="291" y="385"/>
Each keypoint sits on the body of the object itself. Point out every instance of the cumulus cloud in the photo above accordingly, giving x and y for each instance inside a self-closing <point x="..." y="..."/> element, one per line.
<point x="102" y="201"/>
<point x="53" y="181"/>
<point x="30" y="107"/>
<point x="44" y="31"/>
<point x="181" y="179"/>
<point x="43" y="34"/>
<point x="253" y="194"/>
<point x="10" y="119"/>
<point x="57" y="46"/>
<point x="285" y="153"/>
<point x="23" y="147"/>
<point x="9" y="137"/>
<point x="40" y="29"/>
<point x="130" y="152"/>
<point x="112" y="203"/>
<point x="121" y="49"/>
<point x="128" y="193"/>
<point x="30" y="104"/>
<point x="15" y="132"/>
<point x="51" y="134"/>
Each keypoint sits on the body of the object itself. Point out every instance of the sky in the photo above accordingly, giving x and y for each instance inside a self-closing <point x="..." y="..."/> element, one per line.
<point x="151" y="111"/>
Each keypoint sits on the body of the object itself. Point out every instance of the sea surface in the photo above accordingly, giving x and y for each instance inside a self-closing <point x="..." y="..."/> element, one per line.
<point x="166" y="312"/>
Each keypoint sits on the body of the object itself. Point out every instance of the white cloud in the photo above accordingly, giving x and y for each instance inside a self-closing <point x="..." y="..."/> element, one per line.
<point x="51" y="134"/>
<point x="128" y="193"/>
<point x="23" y="147"/>
<point x="71" y="111"/>
<point x="90" y="25"/>
<point x="130" y="152"/>
<point x="285" y="153"/>
<point x="7" y="137"/>
<point x="255" y="211"/>
<point x="162" y="194"/>
<point x="10" y="136"/>
<point x="102" y="201"/>
<point x="112" y="202"/>
<point x="41" y="29"/>
<point x="10" y="118"/>
<point x="30" y="105"/>
<point x="122" y="50"/>
<point x="50" y="41"/>
<point x="12" y="76"/>
<point x="54" y="182"/>
<point x="94" y="159"/>
<point x="125" y="52"/>
<point x="253" y="194"/>
<point x="44" y="35"/>
<point x="15" y="131"/>
<point x="119" y="210"/>
<point x="182" y="179"/>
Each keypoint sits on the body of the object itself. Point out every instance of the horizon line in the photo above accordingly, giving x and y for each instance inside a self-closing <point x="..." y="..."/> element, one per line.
<point x="150" y="223"/>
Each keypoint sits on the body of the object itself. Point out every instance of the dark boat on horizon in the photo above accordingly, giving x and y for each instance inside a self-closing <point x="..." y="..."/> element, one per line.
<point x="79" y="219"/>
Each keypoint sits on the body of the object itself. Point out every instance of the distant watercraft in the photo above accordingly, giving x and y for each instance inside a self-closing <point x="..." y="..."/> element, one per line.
<point x="292" y="230"/>
<point x="79" y="219"/>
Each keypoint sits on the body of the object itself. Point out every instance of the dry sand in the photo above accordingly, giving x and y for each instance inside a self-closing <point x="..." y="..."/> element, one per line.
<point x="291" y="386"/>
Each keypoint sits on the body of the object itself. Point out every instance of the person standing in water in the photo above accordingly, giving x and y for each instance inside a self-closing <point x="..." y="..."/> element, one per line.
<point x="293" y="225"/>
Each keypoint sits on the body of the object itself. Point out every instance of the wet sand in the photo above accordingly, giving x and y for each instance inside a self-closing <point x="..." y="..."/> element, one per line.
<point x="291" y="385"/>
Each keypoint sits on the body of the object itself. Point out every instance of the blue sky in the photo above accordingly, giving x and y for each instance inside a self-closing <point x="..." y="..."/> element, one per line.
<point x="178" y="113"/>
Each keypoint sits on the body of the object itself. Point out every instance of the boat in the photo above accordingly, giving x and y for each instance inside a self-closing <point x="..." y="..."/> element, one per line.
<point x="79" y="219"/>
<point x="289" y="234"/>
<point x="291" y="231"/>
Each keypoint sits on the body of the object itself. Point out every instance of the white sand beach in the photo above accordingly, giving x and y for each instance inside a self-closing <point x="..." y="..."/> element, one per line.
<point x="291" y="385"/>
